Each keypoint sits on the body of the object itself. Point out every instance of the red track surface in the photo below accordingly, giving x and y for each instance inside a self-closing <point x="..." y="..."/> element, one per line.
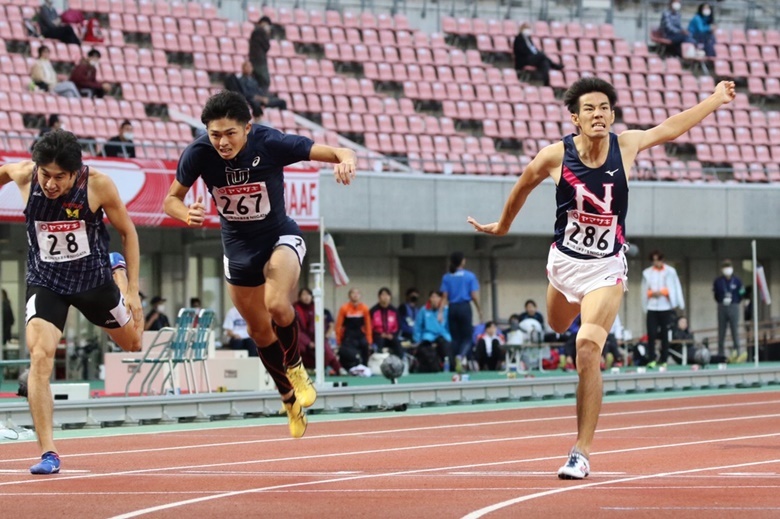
<point x="714" y="456"/>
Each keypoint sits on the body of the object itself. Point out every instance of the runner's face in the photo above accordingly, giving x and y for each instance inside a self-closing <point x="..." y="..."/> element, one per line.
<point x="228" y="136"/>
<point x="54" y="180"/>
<point x="596" y="115"/>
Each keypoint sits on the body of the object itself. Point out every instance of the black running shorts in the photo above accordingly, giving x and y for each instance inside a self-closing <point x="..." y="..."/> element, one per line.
<point x="103" y="306"/>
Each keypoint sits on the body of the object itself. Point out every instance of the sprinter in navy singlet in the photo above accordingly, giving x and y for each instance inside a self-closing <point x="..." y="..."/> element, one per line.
<point x="68" y="265"/>
<point x="242" y="166"/>
<point x="586" y="268"/>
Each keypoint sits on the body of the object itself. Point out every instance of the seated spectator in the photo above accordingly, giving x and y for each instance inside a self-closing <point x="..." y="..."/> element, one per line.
<point x="121" y="145"/>
<point x="245" y="84"/>
<point x="259" y="44"/>
<point x="384" y="324"/>
<point x="701" y="29"/>
<point x="611" y="353"/>
<point x="52" y="27"/>
<point x="531" y="313"/>
<point x="43" y="75"/>
<point x="672" y="29"/>
<point x="237" y="332"/>
<point x="490" y="353"/>
<point x="84" y="75"/>
<point x="353" y="331"/>
<point x="528" y="54"/>
<point x="304" y="308"/>
<point x="93" y="32"/>
<point x="432" y="335"/>
<point x="682" y="337"/>
<point x="156" y="318"/>
<point x="53" y="124"/>
<point x="407" y="313"/>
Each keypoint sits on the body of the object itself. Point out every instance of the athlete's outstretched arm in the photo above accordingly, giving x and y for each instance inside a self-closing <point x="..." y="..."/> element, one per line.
<point x="532" y="176"/>
<point x="174" y="206"/>
<point x="120" y="219"/>
<point x="678" y="124"/>
<point x="344" y="159"/>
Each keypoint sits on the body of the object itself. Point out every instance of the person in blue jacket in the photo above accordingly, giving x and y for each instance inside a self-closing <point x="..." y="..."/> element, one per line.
<point x="701" y="27"/>
<point x="431" y="330"/>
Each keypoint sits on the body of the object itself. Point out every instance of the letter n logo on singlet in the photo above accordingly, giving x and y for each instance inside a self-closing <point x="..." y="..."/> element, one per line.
<point x="583" y="193"/>
<point x="237" y="176"/>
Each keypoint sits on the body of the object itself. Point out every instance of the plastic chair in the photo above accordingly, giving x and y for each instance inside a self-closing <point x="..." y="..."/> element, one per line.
<point x="199" y="347"/>
<point x="168" y="348"/>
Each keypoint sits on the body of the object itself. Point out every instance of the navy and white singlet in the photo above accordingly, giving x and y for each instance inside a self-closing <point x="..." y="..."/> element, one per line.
<point x="68" y="243"/>
<point x="592" y="204"/>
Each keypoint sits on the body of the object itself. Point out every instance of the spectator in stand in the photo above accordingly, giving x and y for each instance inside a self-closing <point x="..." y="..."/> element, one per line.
<point x="304" y="307"/>
<point x="156" y="318"/>
<point x="259" y="43"/>
<point x="661" y="298"/>
<point x="385" y="324"/>
<point x="407" y="313"/>
<point x="43" y="75"/>
<point x="531" y="313"/>
<point x="93" y="32"/>
<point x="728" y="291"/>
<point x="121" y="145"/>
<point x="672" y="29"/>
<point x="528" y="54"/>
<point x="432" y="335"/>
<point x="683" y="338"/>
<point x="52" y="27"/>
<point x="245" y="84"/>
<point x="84" y="76"/>
<point x="52" y="124"/>
<point x="237" y="333"/>
<point x="353" y="331"/>
<point x="490" y="353"/>
<point x="701" y="29"/>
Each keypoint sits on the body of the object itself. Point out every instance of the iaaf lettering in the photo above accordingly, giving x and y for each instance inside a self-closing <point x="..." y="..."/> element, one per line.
<point x="60" y="226"/>
<point x="583" y="193"/>
<point x="591" y="219"/>
<point x="241" y="190"/>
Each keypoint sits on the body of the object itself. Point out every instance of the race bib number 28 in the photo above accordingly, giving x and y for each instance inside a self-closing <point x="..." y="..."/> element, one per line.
<point x="248" y="202"/>
<point x="62" y="241"/>
<point x="591" y="234"/>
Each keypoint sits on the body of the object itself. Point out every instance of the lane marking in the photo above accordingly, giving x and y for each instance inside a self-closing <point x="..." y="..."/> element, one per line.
<point x="168" y="506"/>
<point x="498" y="506"/>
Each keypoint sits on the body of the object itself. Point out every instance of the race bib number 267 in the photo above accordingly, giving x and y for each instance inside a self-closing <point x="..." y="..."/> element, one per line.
<point x="248" y="202"/>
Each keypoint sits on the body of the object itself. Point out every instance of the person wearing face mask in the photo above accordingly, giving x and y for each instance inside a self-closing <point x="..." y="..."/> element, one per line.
<point x="528" y="54"/>
<point x="728" y="291"/>
<point x="672" y="29"/>
<point x="701" y="29"/>
<point x="124" y="147"/>
<point x="156" y="318"/>
<point x="407" y="313"/>
<point x="84" y="75"/>
<point x="661" y="297"/>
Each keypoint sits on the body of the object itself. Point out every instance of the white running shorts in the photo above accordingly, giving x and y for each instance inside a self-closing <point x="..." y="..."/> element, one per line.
<point x="574" y="278"/>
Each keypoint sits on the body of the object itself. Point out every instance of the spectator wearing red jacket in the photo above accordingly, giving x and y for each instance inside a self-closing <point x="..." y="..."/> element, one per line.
<point x="385" y="324"/>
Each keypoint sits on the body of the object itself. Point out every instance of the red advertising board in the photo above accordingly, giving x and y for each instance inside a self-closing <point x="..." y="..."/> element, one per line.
<point x="144" y="183"/>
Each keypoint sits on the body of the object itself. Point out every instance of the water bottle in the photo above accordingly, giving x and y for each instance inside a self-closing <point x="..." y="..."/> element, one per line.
<point x="446" y="364"/>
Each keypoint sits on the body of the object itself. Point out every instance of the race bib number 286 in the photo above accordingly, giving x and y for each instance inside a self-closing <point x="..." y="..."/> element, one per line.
<point x="62" y="241"/>
<point x="591" y="234"/>
<point x="243" y="203"/>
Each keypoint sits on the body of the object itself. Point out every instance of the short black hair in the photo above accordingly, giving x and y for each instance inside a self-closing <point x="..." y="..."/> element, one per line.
<point x="94" y="53"/>
<point x="226" y="105"/>
<point x="411" y="290"/>
<point x="126" y="122"/>
<point x="53" y="119"/>
<point x="42" y="49"/>
<point x="303" y="290"/>
<point x="587" y="85"/>
<point x="265" y="19"/>
<point x="530" y="301"/>
<point x="656" y="254"/>
<point x="384" y="289"/>
<point x="60" y="147"/>
<point x="456" y="258"/>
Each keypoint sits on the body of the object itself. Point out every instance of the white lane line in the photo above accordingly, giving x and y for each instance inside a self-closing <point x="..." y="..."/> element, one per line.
<point x="27" y="471"/>
<point x="168" y="506"/>
<point x="418" y="429"/>
<point x="568" y="416"/>
<point x="498" y="506"/>
<point x="399" y="449"/>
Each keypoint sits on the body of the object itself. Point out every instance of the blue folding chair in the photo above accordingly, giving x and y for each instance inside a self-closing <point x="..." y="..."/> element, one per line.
<point x="199" y="347"/>
<point x="168" y="348"/>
